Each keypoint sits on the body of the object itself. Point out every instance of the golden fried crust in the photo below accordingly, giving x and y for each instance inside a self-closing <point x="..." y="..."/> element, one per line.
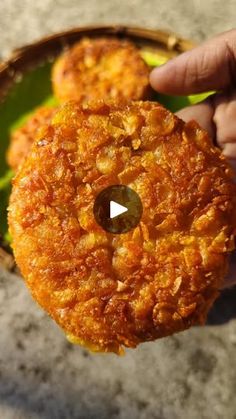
<point x="107" y="291"/>
<point x="21" y="139"/>
<point x="101" y="69"/>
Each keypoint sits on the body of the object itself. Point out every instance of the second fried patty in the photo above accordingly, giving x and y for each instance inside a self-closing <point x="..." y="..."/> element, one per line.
<point x="103" y="68"/>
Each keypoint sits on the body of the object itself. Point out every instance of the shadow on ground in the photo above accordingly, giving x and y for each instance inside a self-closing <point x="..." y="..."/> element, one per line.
<point x="224" y="308"/>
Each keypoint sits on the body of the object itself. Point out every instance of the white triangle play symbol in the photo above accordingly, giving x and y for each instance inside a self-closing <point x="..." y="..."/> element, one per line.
<point x="116" y="209"/>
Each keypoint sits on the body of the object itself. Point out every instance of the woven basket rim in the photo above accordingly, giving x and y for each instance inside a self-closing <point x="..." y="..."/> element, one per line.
<point x="31" y="55"/>
<point x="170" y="40"/>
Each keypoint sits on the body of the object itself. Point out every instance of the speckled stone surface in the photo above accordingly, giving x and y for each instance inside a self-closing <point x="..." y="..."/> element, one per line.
<point x="189" y="376"/>
<point x="26" y="20"/>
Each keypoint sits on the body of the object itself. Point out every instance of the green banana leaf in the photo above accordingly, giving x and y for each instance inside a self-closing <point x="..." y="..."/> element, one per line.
<point x="33" y="90"/>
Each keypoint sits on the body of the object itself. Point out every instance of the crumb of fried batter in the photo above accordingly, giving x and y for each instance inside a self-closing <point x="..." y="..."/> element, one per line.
<point x="103" y="68"/>
<point x="112" y="291"/>
<point x="21" y="139"/>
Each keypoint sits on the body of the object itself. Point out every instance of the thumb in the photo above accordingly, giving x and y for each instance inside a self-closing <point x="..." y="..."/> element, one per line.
<point x="203" y="113"/>
<point x="211" y="66"/>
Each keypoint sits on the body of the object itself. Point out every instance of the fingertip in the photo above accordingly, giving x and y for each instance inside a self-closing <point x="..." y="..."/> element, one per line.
<point x="153" y="76"/>
<point x="157" y="78"/>
<point x="167" y="79"/>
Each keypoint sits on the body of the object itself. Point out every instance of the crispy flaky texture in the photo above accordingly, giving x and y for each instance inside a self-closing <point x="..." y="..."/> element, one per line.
<point x="22" y="138"/>
<point x="102" y="68"/>
<point x="108" y="291"/>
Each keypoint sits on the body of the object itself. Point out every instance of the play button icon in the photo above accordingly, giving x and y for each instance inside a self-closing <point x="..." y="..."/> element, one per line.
<point x="118" y="209"/>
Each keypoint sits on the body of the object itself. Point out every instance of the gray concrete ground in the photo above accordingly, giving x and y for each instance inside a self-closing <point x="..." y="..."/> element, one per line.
<point x="189" y="376"/>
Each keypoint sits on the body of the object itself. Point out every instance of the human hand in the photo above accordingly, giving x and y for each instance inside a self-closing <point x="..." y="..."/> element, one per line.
<point x="211" y="66"/>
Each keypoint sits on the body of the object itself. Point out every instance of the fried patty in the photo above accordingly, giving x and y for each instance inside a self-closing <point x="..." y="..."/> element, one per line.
<point x="111" y="291"/>
<point x="22" y="138"/>
<point x="101" y="69"/>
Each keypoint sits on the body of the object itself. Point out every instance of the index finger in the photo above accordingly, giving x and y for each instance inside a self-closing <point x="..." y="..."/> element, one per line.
<point x="211" y="66"/>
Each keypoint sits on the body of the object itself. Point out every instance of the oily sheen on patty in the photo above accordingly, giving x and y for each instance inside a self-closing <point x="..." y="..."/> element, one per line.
<point x="108" y="291"/>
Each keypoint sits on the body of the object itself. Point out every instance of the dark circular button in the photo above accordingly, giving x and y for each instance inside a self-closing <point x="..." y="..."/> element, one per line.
<point x="118" y="209"/>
